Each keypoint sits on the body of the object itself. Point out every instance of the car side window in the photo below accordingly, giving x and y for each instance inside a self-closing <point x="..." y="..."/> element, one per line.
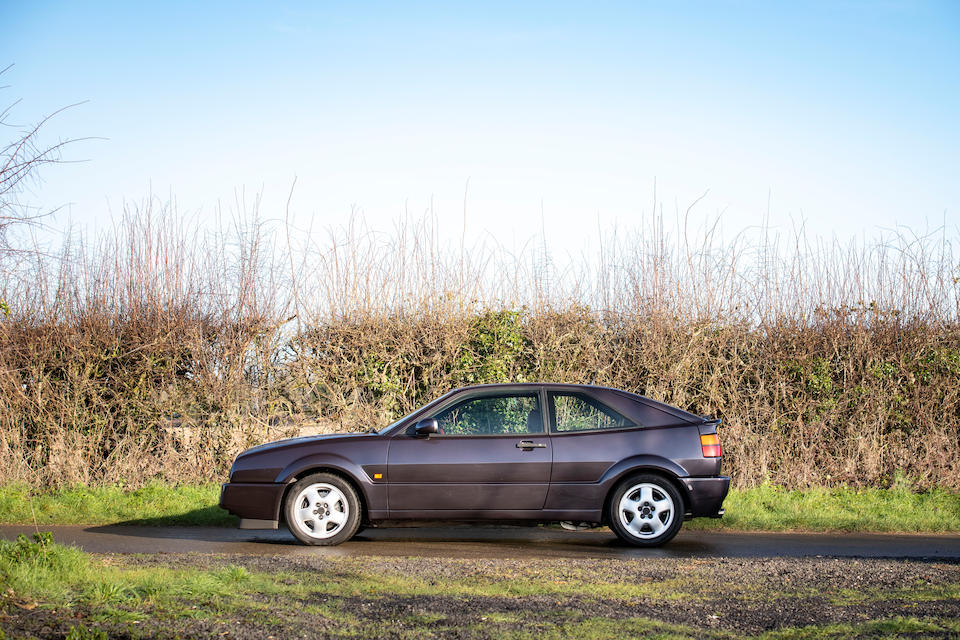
<point x="577" y="412"/>
<point x="492" y="415"/>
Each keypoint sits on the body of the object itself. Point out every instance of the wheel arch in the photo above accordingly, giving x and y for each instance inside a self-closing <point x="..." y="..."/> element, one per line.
<point x="647" y="469"/>
<point x="332" y="470"/>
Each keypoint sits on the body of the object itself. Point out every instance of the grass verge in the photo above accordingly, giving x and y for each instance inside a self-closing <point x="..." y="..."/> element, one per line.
<point x="154" y="504"/>
<point x="48" y="590"/>
<point x="765" y="508"/>
<point x="896" y="510"/>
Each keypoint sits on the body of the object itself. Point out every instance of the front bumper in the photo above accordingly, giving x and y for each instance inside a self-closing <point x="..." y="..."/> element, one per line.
<point x="256" y="504"/>
<point x="705" y="496"/>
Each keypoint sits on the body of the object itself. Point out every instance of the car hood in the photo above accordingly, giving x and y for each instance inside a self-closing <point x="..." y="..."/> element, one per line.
<point x="303" y="440"/>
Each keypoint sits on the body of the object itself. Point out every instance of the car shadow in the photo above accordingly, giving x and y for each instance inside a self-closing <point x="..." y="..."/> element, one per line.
<point x="211" y="524"/>
<point x="212" y="516"/>
<point x="155" y="529"/>
<point x="515" y="541"/>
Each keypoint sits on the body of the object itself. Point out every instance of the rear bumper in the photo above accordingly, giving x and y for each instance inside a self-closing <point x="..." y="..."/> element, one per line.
<point x="706" y="496"/>
<point x="256" y="504"/>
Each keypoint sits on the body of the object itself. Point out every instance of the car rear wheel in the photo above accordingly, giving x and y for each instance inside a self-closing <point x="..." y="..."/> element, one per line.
<point x="322" y="509"/>
<point x="646" y="511"/>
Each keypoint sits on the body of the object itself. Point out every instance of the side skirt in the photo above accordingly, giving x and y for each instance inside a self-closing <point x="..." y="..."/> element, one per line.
<point x="478" y="515"/>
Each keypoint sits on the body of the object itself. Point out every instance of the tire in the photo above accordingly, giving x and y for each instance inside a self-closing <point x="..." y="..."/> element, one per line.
<point x="646" y="510"/>
<point x="322" y="509"/>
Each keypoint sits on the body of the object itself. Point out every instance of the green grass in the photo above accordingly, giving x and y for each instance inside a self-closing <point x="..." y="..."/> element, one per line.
<point x="765" y="508"/>
<point x="41" y="572"/>
<point x="769" y="508"/>
<point x="41" y="567"/>
<point x="896" y="627"/>
<point x="154" y="504"/>
<point x="192" y="596"/>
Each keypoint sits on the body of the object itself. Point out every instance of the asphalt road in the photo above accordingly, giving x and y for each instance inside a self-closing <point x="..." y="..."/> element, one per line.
<point x="498" y="542"/>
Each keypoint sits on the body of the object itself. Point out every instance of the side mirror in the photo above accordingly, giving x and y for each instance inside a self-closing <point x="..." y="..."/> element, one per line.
<point x="427" y="426"/>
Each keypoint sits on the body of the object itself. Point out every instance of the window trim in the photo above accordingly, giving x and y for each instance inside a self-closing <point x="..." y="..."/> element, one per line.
<point x="554" y="428"/>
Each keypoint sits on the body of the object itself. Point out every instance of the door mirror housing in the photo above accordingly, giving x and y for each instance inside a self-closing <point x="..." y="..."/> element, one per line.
<point x="427" y="426"/>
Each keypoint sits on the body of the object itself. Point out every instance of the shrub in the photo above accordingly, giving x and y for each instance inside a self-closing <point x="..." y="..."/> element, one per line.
<point x="160" y="352"/>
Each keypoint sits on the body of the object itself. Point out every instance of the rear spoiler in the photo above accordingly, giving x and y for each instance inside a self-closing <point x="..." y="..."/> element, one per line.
<point x="709" y="424"/>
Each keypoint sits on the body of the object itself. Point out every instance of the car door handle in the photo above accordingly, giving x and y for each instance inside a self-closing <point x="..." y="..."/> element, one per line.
<point x="526" y="445"/>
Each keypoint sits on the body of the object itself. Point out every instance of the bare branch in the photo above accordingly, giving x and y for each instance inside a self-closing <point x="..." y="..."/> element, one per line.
<point x="21" y="159"/>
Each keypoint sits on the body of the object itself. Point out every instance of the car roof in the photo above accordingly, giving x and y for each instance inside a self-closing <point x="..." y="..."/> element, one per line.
<point x="676" y="412"/>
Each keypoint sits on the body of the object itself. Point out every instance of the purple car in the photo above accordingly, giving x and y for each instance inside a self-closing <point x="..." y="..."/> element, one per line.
<point x="504" y="452"/>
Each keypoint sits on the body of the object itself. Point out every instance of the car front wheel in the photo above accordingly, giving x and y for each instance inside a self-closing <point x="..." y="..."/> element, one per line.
<point x="646" y="511"/>
<point x="322" y="509"/>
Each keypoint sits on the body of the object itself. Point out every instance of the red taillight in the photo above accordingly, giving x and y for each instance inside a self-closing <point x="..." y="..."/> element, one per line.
<point x="711" y="446"/>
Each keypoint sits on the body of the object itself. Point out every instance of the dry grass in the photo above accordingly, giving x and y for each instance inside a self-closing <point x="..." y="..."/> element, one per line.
<point x="158" y="351"/>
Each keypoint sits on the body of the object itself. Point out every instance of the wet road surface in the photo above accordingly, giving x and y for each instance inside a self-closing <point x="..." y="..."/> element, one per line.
<point x="497" y="542"/>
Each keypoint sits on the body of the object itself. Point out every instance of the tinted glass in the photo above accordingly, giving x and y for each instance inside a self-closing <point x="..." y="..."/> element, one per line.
<point x="575" y="412"/>
<point x="492" y="415"/>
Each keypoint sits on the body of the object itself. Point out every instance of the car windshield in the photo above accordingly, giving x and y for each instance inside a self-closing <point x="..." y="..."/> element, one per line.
<point x="394" y="423"/>
<point x="409" y="415"/>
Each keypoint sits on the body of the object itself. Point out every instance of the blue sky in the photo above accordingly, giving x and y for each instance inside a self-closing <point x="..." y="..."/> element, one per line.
<point x="844" y="114"/>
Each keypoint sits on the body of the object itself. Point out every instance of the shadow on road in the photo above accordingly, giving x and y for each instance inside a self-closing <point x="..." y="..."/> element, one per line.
<point x="498" y="542"/>
<point x="449" y="541"/>
<point x="212" y="516"/>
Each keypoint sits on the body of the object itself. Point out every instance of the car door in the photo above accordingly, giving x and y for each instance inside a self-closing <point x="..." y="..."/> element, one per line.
<point x="492" y="454"/>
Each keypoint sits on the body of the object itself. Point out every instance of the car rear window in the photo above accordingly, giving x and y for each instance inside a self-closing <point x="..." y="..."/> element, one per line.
<point x="578" y="412"/>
